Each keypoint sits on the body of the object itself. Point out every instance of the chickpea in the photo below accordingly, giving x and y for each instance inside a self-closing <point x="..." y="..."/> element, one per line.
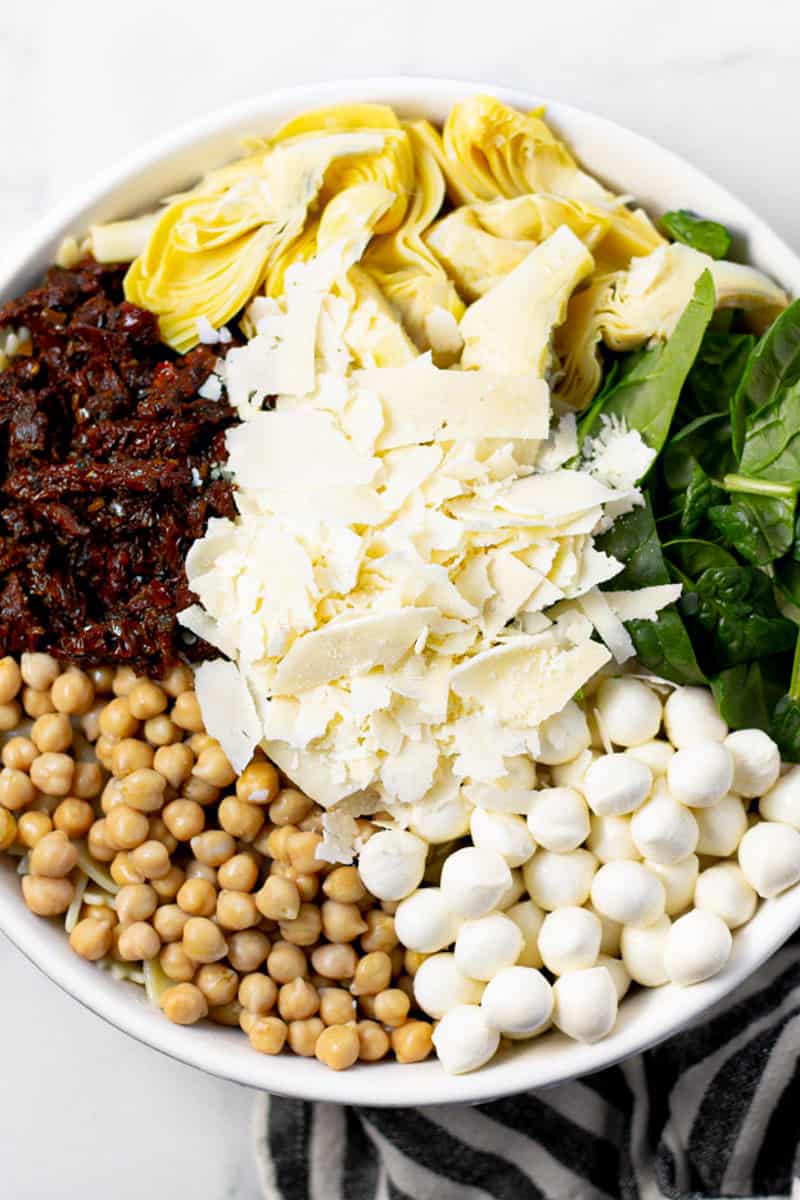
<point x="184" y="1004"/>
<point x="10" y="679"/>
<point x="161" y="731"/>
<point x="313" y="824"/>
<point x="102" y="678"/>
<point x="125" y="827"/>
<point x="10" y="716"/>
<point x="405" y="984"/>
<point x="199" y="790"/>
<point x="412" y="1042"/>
<point x="258" y="783"/>
<point x="186" y="713"/>
<point x="47" y="897"/>
<point x="101" y="913"/>
<point x="337" y="1047"/>
<point x="117" y="720"/>
<point x="97" y="844"/>
<point x="289" y="808"/>
<point x="73" y="692"/>
<point x="39" y="671"/>
<point x="36" y="704"/>
<point x="286" y="962"/>
<point x="111" y="796"/>
<point x="303" y="853"/>
<point x="143" y="789"/>
<point x="90" y="721"/>
<point x="341" y="922"/>
<point x="87" y="780"/>
<point x="344" y="885"/>
<point x="104" y="749"/>
<point x="174" y="763"/>
<point x="268" y="1035"/>
<point x="373" y="1042"/>
<point x="91" y="939"/>
<point x="218" y="983"/>
<point x="237" y="910"/>
<point x="238" y="874"/>
<point x="203" y="940"/>
<point x="198" y="870"/>
<point x="413" y="960"/>
<point x="279" y="899"/>
<point x="305" y="928"/>
<point x="390" y="906"/>
<point x="146" y="700"/>
<point x="130" y="755"/>
<point x="159" y="833"/>
<point x="170" y="884"/>
<point x="307" y="886"/>
<point x="391" y="1007"/>
<point x="53" y="855"/>
<point x="176" y="964"/>
<point x="18" y="753"/>
<point x="243" y="821"/>
<point x="178" y="679"/>
<point x="335" y="961"/>
<point x="135" y="902"/>
<point x="277" y="847"/>
<point x="199" y="742"/>
<point x="138" y="941"/>
<point x="380" y="933"/>
<point x="124" y="681"/>
<point x="298" y="1000"/>
<point x="151" y="859"/>
<point x="373" y="974"/>
<point x="16" y="789"/>
<point x="123" y="871"/>
<point x="213" y="847"/>
<point x="213" y="767"/>
<point x="52" y="774"/>
<point x="336" y="1006"/>
<point x="169" y="922"/>
<point x="366" y="1005"/>
<point x="258" y="993"/>
<point x="52" y="732"/>
<point x="248" y="950"/>
<point x="197" y="897"/>
<point x="8" y="829"/>
<point x="32" y="827"/>
<point x="304" y="1035"/>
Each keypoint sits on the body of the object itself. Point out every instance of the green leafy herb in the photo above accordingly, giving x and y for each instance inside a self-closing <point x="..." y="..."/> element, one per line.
<point x="771" y="448"/>
<point x="707" y="236"/>
<point x="731" y="612"/>
<point x="700" y="495"/>
<point x="786" y="718"/>
<point x="692" y="556"/>
<point x="747" y="695"/>
<point x="773" y="366"/>
<point x="760" y="528"/>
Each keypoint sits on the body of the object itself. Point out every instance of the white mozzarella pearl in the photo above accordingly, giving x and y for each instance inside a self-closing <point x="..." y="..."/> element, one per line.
<point x="585" y="1004"/>
<point x="663" y="830"/>
<point x="610" y="839"/>
<point x="528" y="918"/>
<point x="723" y="890"/>
<point x="679" y="881"/>
<point x="485" y="946"/>
<point x="629" y="710"/>
<point x="443" y="820"/>
<point x="629" y="893"/>
<point x="618" y="972"/>
<point x="643" y="952"/>
<point x="610" y="932"/>
<point x="555" y="880"/>
<point x="616" y="784"/>
<point x="474" y="881"/>
<point x="700" y="775"/>
<point x="691" y="716"/>
<point x="424" y="923"/>
<point x="391" y="864"/>
<point x="464" y="1040"/>
<point x="518" y="1002"/>
<point x="514" y="892"/>
<point x="769" y="855"/>
<point x="562" y="737"/>
<point x="720" y="828"/>
<point x="573" y="773"/>
<point x="782" y="801"/>
<point x="511" y="793"/>
<point x="558" y="818"/>
<point x="698" y="946"/>
<point x="504" y="833"/>
<point x="569" y="940"/>
<point x="756" y="762"/>
<point x="439" y="985"/>
<point x="655" y="755"/>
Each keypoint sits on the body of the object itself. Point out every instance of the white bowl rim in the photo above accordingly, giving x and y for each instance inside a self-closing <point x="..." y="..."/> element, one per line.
<point x="218" y="1051"/>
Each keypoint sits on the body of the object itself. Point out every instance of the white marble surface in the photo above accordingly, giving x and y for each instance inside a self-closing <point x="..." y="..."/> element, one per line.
<point x="84" y="1111"/>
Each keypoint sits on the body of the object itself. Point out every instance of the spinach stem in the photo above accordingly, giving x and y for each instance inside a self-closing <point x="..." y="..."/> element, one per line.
<point x="757" y="487"/>
<point x="794" y="685"/>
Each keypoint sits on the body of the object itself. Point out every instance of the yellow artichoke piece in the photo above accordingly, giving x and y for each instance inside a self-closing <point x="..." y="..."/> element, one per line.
<point x="576" y="342"/>
<point x="121" y="241"/>
<point x="374" y="333"/>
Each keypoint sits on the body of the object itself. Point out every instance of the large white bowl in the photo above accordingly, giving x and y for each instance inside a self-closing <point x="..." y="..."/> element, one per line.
<point x="658" y="179"/>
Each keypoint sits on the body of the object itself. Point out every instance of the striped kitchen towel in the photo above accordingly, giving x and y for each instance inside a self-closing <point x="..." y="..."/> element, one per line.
<point x="714" y="1112"/>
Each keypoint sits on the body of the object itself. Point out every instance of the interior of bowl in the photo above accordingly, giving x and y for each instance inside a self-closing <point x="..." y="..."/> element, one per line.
<point x="657" y="179"/>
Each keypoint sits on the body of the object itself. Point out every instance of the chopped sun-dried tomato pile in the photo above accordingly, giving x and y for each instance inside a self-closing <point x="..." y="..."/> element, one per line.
<point x="106" y="476"/>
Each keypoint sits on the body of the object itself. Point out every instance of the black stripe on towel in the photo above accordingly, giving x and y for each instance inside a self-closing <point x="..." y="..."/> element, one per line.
<point x="772" y="1174"/>
<point x="360" y="1171"/>
<point x="290" y="1146"/>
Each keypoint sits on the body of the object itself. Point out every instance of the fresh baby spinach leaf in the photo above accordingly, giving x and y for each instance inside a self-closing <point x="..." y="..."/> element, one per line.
<point x="785" y="728"/>
<point x="773" y="366"/>
<point x="760" y="528"/>
<point x="710" y="237"/>
<point x="771" y="448"/>
<point x="731" y="613"/>
<point x="716" y="372"/>
<point x="692" y="556"/>
<point x="747" y="695"/>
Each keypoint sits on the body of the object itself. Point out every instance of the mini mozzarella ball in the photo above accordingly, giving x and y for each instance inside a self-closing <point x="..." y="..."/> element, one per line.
<point x="769" y="855"/>
<point x="424" y="923"/>
<point x="514" y="892"/>
<point x="610" y="839"/>
<point x="698" y="945"/>
<point x="720" y="829"/>
<point x="655" y="755"/>
<point x="464" y="1040"/>
<point x="391" y="864"/>
<point x="618" y="972"/>
<point x="555" y="880"/>
<point x="643" y="952"/>
<point x="569" y="940"/>
<point x="629" y="710"/>
<point x="442" y="820"/>
<point x="700" y="775"/>
<point x="679" y="881"/>
<point x="629" y="893"/>
<point x="439" y="985"/>
<point x="723" y="890"/>
<point x="782" y="802"/>
<point x="610" y="932"/>
<point x="585" y="1004"/>
<point x="756" y="762"/>
<point x="485" y="946"/>
<point x="616" y="784"/>
<point x="518" y="1002"/>
<point x="558" y="818"/>
<point x="663" y="830"/>
<point x="562" y="737"/>
<point x="528" y="918"/>
<point x="504" y="833"/>
<point x="473" y="881"/>
<point x="691" y="716"/>
<point x="572" y="774"/>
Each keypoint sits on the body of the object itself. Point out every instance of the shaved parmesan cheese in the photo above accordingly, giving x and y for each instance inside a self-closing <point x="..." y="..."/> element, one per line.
<point x="198" y="622"/>
<point x="228" y="710"/>
<point x="339" y="832"/>
<point x="645" y="604"/>
<point x="608" y="625"/>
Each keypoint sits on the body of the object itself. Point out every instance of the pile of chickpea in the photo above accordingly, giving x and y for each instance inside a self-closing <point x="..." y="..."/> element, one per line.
<point x="209" y="880"/>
